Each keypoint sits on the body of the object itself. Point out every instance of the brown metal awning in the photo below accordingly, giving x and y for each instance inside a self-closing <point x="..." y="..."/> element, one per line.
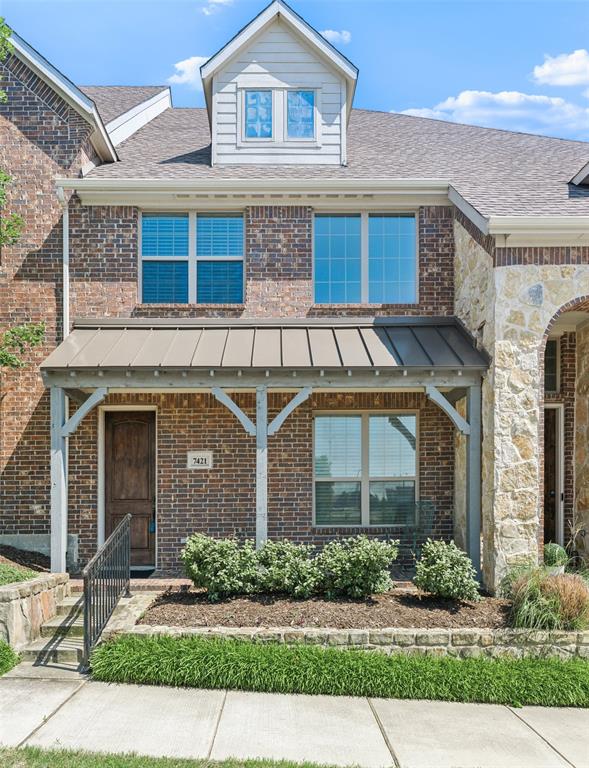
<point x="326" y="344"/>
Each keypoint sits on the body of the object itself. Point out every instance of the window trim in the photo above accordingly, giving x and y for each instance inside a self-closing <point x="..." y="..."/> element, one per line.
<point x="279" y="139"/>
<point x="364" y="214"/>
<point x="192" y="259"/>
<point x="365" y="478"/>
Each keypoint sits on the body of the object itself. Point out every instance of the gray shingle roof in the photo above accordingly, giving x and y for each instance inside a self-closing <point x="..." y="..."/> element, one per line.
<point x="115" y="100"/>
<point x="498" y="172"/>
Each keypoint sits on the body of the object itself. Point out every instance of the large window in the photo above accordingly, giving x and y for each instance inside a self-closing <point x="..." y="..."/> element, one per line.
<point x="192" y="258"/>
<point x="300" y="114"/>
<point x="365" y="258"/>
<point x="365" y="469"/>
<point x="258" y="115"/>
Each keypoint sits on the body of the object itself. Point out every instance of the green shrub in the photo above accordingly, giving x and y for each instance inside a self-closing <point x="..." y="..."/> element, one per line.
<point x="289" y="568"/>
<point x="357" y="567"/>
<point x="223" y="567"/>
<point x="446" y="571"/>
<point x="555" y="555"/>
<point x="8" y="658"/>
<point x="234" y="664"/>
<point x="542" y="600"/>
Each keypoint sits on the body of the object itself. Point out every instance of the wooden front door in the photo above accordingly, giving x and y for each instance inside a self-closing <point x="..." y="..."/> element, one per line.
<point x="551" y="501"/>
<point x="129" y="485"/>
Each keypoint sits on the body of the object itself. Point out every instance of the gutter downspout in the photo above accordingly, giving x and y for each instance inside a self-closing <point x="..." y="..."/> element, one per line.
<point x="65" y="310"/>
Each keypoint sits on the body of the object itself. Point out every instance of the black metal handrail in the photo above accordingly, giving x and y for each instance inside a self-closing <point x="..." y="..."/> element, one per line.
<point x="107" y="577"/>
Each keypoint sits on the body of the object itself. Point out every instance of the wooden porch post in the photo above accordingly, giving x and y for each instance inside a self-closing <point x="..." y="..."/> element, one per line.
<point x="473" y="487"/>
<point x="261" y="465"/>
<point x="58" y="482"/>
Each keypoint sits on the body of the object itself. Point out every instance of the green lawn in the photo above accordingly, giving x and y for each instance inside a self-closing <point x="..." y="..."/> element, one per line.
<point x="31" y="757"/>
<point x="216" y="663"/>
<point x="10" y="574"/>
<point x="8" y="658"/>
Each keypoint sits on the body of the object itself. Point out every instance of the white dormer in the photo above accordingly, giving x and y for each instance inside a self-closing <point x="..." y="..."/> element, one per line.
<point x="279" y="93"/>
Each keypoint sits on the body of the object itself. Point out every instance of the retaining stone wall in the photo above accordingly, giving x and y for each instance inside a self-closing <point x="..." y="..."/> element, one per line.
<point x="464" y="643"/>
<point x="27" y="605"/>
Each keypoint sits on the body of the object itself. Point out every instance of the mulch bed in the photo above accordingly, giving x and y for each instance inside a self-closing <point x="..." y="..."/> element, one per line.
<point x="33" y="560"/>
<point x="401" y="608"/>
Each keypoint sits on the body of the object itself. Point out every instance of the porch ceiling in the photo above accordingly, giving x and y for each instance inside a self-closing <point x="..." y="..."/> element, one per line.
<point x="335" y="345"/>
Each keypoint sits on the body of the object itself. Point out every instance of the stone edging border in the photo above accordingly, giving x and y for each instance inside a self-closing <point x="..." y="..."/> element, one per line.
<point x="465" y="643"/>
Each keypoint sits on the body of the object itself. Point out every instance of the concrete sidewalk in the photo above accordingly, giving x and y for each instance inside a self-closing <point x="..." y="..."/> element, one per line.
<point x="61" y="710"/>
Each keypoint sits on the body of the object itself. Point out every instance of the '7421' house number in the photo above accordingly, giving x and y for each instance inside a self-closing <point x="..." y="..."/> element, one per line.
<point x="199" y="460"/>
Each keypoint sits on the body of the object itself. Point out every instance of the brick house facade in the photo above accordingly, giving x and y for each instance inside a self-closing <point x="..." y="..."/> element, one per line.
<point x="463" y="274"/>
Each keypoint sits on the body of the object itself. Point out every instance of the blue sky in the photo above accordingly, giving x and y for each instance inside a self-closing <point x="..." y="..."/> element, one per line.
<point x="517" y="65"/>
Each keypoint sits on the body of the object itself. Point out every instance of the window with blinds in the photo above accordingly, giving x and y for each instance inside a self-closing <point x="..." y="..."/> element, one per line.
<point x="365" y="469"/>
<point x="192" y="258"/>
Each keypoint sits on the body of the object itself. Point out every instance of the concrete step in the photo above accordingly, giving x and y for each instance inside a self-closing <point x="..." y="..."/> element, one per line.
<point x="70" y="605"/>
<point x="62" y="650"/>
<point x="71" y="625"/>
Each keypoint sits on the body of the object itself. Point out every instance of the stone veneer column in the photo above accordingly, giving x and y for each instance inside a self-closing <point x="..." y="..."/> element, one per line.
<point x="529" y="297"/>
<point x="510" y="308"/>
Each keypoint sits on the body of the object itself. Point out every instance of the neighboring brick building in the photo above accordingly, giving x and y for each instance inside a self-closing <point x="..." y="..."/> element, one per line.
<point x="194" y="274"/>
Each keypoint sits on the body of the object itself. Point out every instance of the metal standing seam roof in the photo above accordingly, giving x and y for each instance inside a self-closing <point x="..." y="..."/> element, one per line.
<point x="327" y="344"/>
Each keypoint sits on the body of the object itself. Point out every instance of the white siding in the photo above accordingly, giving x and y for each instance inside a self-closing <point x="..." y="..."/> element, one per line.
<point x="277" y="58"/>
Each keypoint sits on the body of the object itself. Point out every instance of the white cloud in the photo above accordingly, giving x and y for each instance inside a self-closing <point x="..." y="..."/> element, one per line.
<point x="341" y="37"/>
<point x="564" y="69"/>
<point x="513" y="111"/>
<point x="212" y="6"/>
<point x="188" y="72"/>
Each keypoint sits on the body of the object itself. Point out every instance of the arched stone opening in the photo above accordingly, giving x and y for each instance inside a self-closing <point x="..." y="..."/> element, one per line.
<point x="564" y="428"/>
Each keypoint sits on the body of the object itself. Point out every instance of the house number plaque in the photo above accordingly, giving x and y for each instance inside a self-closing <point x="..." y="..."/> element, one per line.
<point x="199" y="459"/>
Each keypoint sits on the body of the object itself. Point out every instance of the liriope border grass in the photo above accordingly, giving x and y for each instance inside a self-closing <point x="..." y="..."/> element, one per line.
<point x="33" y="757"/>
<point x="13" y="574"/>
<point x="8" y="658"/>
<point x="222" y="663"/>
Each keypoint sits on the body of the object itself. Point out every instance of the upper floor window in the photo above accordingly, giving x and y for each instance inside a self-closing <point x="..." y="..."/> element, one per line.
<point x="365" y="258"/>
<point x="300" y="114"/>
<point x="164" y="251"/>
<point x="258" y="115"/>
<point x="190" y="258"/>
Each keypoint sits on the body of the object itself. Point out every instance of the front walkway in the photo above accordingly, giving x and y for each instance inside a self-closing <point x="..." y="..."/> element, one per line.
<point x="64" y="710"/>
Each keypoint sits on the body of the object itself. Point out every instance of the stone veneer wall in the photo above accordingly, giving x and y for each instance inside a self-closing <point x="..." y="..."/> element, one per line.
<point x="464" y="643"/>
<point x="509" y="297"/>
<point x="27" y="605"/>
<point x="529" y="298"/>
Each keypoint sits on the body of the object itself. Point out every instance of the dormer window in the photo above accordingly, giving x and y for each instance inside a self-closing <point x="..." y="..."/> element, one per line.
<point x="300" y="115"/>
<point x="279" y="94"/>
<point x="258" y="115"/>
